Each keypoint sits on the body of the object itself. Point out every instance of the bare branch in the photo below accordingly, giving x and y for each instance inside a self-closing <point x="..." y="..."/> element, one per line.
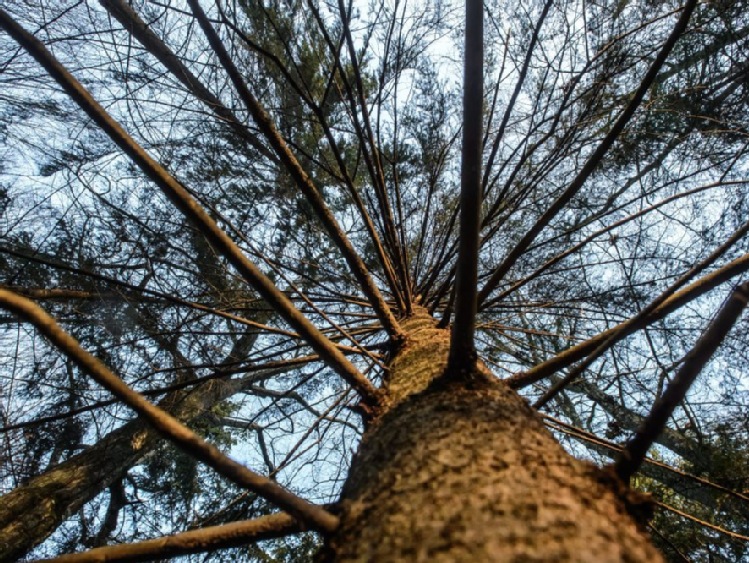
<point x="592" y="163"/>
<point x="301" y="178"/>
<point x="634" y="452"/>
<point x="677" y="300"/>
<point x="235" y="534"/>
<point x="166" y="424"/>
<point x="462" y="357"/>
<point x="181" y="198"/>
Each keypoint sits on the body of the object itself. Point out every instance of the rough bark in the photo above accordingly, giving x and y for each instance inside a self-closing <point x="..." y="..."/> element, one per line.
<point x="470" y="473"/>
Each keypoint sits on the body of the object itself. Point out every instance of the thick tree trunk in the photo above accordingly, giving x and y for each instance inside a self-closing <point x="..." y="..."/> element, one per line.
<point x="469" y="473"/>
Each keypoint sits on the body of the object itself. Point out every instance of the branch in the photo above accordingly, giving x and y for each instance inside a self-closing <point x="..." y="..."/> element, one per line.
<point x="266" y="371"/>
<point x="634" y="452"/>
<point x="463" y="356"/>
<point x="136" y="27"/>
<point x="345" y="177"/>
<point x="729" y="533"/>
<point x="373" y="161"/>
<point x="516" y="92"/>
<point x="592" y="163"/>
<point x="713" y="497"/>
<point x="676" y="301"/>
<point x="182" y="199"/>
<point x="619" y="335"/>
<point x="611" y="449"/>
<point x="163" y="422"/>
<point x="604" y="230"/>
<point x="302" y="180"/>
<point x="235" y="534"/>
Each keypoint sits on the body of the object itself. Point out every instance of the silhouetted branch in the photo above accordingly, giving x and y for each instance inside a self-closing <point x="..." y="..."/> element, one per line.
<point x="592" y="163"/>
<point x="166" y="424"/>
<point x="301" y="178"/>
<point x="677" y="300"/>
<point x="462" y="348"/>
<point x="181" y="198"/>
<point x="634" y="452"/>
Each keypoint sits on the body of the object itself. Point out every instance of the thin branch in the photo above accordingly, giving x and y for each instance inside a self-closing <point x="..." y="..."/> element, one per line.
<point x="634" y="452"/>
<point x="621" y="333"/>
<point x="235" y="534"/>
<point x="258" y="374"/>
<point x="163" y="422"/>
<point x="592" y="163"/>
<point x="516" y="92"/>
<point x="301" y="178"/>
<point x="677" y="300"/>
<point x="135" y="26"/>
<point x="374" y="160"/>
<point x="606" y="229"/>
<point x="729" y="533"/>
<point x="345" y="177"/>
<point x="613" y="449"/>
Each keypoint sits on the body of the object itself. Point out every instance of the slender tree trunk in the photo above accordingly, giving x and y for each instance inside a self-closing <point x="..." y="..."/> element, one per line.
<point x="30" y="513"/>
<point x="469" y="473"/>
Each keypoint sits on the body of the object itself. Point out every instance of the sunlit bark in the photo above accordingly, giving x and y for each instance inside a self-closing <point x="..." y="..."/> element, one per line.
<point x="468" y="472"/>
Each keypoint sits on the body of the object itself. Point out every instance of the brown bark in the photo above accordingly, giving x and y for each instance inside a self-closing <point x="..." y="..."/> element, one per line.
<point x="469" y="473"/>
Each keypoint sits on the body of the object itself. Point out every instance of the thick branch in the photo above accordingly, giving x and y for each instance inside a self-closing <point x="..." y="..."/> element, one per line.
<point x="166" y="424"/>
<point x="462" y="348"/>
<point x="182" y="199"/>
<point x="634" y="452"/>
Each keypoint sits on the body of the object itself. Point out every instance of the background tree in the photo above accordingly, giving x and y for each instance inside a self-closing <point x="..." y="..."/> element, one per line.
<point x="264" y="217"/>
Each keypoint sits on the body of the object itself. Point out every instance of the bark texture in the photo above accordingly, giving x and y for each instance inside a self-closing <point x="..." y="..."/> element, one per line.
<point x="469" y="473"/>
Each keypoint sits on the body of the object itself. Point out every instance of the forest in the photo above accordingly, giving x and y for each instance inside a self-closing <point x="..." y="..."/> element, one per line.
<point x="374" y="280"/>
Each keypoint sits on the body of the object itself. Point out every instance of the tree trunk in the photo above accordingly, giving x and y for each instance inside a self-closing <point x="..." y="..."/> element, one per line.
<point x="468" y="472"/>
